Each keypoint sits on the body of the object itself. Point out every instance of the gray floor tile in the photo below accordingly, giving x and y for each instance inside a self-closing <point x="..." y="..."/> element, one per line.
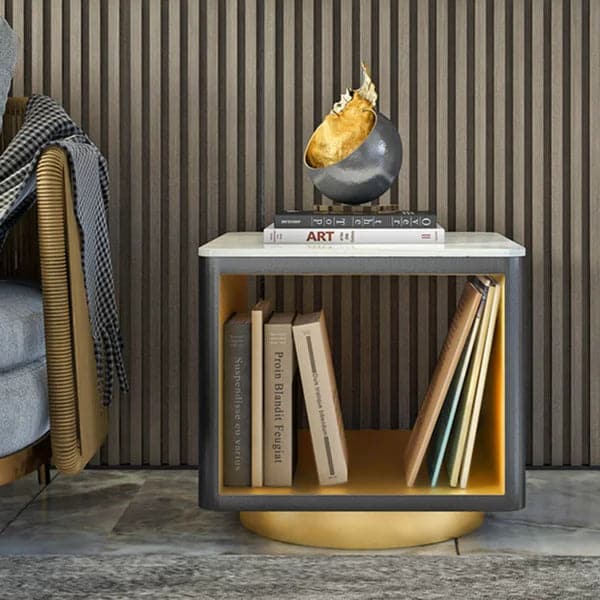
<point x="15" y="496"/>
<point x="562" y="516"/>
<point x="127" y="512"/>
<point x="164" y="517"/>
<point x="73" y="514"/>
<point x="502" y="535"/>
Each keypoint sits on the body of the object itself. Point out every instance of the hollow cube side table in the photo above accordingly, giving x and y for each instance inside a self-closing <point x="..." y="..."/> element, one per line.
<point x="350" y="515"/>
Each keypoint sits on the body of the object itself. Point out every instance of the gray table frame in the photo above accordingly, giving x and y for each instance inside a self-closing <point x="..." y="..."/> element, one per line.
<point x="513" y="268"/>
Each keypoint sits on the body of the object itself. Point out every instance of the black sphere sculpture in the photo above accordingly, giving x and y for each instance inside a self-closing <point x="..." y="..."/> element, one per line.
<point x="367" y="172"/>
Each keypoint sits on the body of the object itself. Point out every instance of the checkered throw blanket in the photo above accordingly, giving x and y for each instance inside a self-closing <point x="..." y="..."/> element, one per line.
<point x="47" y="124"/>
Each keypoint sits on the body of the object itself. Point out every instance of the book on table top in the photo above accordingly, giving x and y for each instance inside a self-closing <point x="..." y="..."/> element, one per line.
<point x="450" y="354"/>
<point x="378" y="216"/>
<point x="280" y="365"/>
<point x="443" y="427"/>
<point x="259" y="314"/>
<point x="458" y="437"/>
<point x="481" y="382"/>
<point x="326" y="236"/>
<point x="321" y="398"/>
<point x="236" y="400"/>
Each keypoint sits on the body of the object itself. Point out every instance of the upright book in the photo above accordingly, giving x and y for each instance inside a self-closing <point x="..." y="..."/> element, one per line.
<point x="440" y="382"/>
<point x="458" y="439"/>
<point x="280" y="362"/>
<point x="321" y="398"/>
<point x="481" y="382"/>
<point x="259" y="314"/>
<point x="441" y="434"/>
<point x="236" y="400"/>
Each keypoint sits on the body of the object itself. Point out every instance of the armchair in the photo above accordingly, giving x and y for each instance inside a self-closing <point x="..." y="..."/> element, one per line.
<point x="45" y="246"/>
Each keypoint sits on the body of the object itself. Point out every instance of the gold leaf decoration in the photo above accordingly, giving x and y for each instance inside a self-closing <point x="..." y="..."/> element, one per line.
<point x="346" y="126"/>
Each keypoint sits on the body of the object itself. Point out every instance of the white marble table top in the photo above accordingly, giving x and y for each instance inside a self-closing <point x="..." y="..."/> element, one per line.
<point x="457" y="244"/>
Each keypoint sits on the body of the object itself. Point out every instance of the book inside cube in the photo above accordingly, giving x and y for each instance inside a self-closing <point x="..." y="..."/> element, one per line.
<point x="279" y="422"/>
<point x="321" y="398"/>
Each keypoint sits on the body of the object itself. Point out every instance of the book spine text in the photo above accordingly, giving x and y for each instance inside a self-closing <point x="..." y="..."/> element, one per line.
<point x="279" y="431"/>
<point x="353" y="236"/>
<point x="236" y="405"/>
<point x="383" y="221"/>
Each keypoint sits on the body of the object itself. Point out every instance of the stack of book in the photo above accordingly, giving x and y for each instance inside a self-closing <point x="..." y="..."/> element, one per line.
<point x="260" y="354"/>
<point x="447" y="422"/>
<point x="343" y="224"/>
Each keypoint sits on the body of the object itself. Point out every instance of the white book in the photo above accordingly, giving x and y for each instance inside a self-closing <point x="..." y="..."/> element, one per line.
<point x="481" y="381"/>
<point x="353" y="236"/>
<point x="321" y="398"/>
<point x="456" y="449"/>
<point x="260" y="313"/>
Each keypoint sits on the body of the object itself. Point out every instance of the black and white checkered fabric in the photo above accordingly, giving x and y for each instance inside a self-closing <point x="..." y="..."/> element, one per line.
<point x="47" y="124"/>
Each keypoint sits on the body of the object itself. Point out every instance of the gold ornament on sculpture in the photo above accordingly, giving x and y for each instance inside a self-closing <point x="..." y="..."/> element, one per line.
<point x="346" y="127"/>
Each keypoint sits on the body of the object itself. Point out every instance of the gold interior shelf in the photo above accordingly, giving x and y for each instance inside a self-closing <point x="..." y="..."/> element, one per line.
<point x="375" y="457"/>
<point x="376" y="468"/>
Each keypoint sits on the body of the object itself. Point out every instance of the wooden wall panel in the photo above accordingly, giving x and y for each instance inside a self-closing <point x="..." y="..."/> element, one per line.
<point x="592" y="201"/>
<point x="203" y="110"/>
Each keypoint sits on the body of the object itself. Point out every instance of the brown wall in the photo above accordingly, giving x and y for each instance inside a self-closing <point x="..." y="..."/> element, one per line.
<point x="203" y="108"/>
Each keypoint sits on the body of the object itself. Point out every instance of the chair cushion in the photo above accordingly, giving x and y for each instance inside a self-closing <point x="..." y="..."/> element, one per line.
<point x="21" y="324"/>
<point x="23" y="406"/>
<point x="9" y="43"/>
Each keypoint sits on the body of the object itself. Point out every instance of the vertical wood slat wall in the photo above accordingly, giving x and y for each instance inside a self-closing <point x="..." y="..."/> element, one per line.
<point x="203" y="109"/>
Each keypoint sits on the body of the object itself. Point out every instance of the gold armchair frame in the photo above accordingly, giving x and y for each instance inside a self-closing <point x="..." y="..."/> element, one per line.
<point x="45" y="245"/>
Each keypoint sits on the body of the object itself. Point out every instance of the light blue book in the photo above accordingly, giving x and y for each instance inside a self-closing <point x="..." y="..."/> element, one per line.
<point x="443" y="427"/>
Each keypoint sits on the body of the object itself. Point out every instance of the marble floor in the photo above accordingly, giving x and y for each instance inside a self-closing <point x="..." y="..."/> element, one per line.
<point x="124" y="512"/>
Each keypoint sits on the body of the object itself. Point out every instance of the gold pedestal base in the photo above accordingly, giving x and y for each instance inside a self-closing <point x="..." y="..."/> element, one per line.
<point x="361" y="530"/>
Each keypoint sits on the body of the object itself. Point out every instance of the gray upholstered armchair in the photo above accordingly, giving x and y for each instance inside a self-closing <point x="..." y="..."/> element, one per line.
<point x="63" y="421"/>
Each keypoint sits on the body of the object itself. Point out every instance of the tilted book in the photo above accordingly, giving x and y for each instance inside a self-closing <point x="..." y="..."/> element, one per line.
<point x="441" y="434"/>
<point x="259" y="314"/>
<point x="321" y="398"/>
<point x="458" y="438"/>
<point x="236" y="400"/>
<point x="326" y="236"/>
<point x="481" y="381"/>
<point x="280" y="365"/>
<point x="450" y="354"/>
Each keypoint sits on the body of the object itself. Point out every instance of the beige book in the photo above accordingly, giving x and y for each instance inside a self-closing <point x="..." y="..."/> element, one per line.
<point x="450" y="354"/>
<point x="259" y="314"/>
<point x="321" y="398"/>
<point x="458" y="438"/>
<point x="280" y="359"/>
<point x="481" y="381"/>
